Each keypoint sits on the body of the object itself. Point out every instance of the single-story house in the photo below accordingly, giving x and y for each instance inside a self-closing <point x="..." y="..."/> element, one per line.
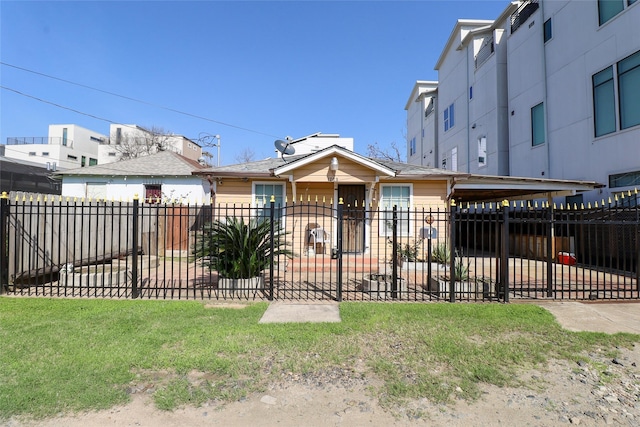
<point x="364" y="186"/>
<point x="165" y="175"/>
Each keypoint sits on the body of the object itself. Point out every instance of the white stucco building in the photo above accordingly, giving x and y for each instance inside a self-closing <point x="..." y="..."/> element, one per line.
<point x="67" y="146"/>
<point x="164" y="175"/>
<point x="549" y="89"/>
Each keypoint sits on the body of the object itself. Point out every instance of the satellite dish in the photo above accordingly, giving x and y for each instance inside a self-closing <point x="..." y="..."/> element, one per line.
<point x="284" y="147"/>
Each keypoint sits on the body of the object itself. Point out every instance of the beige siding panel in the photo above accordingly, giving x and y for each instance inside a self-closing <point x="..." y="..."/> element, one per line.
<point x="348" y="172"/>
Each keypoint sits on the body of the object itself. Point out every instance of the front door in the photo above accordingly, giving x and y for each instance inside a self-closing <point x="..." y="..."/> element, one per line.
<point x="353" y="216"/>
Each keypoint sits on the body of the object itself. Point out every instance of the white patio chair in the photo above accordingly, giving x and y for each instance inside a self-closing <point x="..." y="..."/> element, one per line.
<point x="319" y="236"/>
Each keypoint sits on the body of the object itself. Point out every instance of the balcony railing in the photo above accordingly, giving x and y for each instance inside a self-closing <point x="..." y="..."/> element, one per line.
<point x="523" y="13"/>
<point x="27" y="140"/>
<point x="485" y="52"/>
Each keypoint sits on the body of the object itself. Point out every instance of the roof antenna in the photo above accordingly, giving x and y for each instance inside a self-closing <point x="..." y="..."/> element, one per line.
<point x="285" y="147"/>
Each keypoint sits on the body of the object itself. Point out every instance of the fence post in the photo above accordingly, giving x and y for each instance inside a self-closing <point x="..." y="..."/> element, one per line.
<point x="272" y="205"/>
<point x="339" y="247"/>
<point x="394" y="253"/>
<point x="504" y="254"/>
<point x="550" y="234"/>
<point x="134" y="263"/>
<point x="637" y="245"/>
<point x="452" y="251"/>
<point x="4" y="253"/>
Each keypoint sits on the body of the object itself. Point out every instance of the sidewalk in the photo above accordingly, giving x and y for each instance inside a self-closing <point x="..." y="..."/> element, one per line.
<point x="610" y="318"/>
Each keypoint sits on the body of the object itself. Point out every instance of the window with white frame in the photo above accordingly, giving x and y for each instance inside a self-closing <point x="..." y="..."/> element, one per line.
<point x="482" y="151"/>
<point x="262" y="192"/>
<point x="449" y="118"/>
<point x="401" y="196"/>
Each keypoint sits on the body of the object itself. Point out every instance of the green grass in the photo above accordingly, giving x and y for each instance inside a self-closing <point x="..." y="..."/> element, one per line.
<point x="71" y="355"/>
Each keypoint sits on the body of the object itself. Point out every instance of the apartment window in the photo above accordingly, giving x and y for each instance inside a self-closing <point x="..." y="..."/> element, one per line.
<point x="537" y="125"/>
<point x="548" y="31"/>
<point x="628" y="89"/>
<point x="262" y="193"/>
<point x="629" y="179"/>
<point x="607" y="9"/>
<point x="32" y="153"/>
<point x="449" y="118"/>
<point x="83" y="161"/>
<point x="412" y="146"/>
<point x="604" y="104"/>
<point x="399" y="195"/>
<point x="482" y="151"/>
<point x="45" y="154"/>
<point x="627" y="71"/>
<point x="70" y="157"/>
<point x="93" y="162"/>
<point x="470" y="92"/>
<point x="118" y="135"/>
<point x="112" y="154"/>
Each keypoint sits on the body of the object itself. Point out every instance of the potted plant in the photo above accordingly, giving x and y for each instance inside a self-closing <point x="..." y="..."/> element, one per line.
<point x="240" y="250"/>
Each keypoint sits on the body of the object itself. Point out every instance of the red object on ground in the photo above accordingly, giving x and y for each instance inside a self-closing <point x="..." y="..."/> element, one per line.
<point x="567" y="258"/>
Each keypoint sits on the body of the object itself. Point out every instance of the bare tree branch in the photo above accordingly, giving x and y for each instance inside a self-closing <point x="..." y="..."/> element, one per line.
<point x="141" y="142"/>
<point x="392" y="152"/>
<point x="245" y="156"/>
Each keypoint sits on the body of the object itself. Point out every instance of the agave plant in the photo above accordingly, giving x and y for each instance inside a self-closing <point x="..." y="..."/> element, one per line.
<point x="441" y="254"/>
<point x="237" y="249"/>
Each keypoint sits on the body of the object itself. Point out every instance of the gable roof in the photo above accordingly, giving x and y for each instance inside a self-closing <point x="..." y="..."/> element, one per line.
<point x="331" y="151"/>
<point x="273" y="167"/>
<point x="163" y="163"/>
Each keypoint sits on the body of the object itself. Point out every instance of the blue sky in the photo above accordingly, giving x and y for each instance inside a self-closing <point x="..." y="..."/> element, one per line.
<point x="252" y="71"/>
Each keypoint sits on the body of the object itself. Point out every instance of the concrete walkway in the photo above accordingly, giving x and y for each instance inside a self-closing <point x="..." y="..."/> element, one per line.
<point x="610" y="318"/>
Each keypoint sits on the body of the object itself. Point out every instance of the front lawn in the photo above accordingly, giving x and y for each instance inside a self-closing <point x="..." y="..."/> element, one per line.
<point x="69" y="355"/>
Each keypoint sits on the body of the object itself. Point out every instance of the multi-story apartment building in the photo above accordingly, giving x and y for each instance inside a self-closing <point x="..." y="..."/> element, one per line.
<point x="66" y="147"/>
<point x="422" y="135"/>
<point x="548" y="89"/>
<point x="71" y="146"/>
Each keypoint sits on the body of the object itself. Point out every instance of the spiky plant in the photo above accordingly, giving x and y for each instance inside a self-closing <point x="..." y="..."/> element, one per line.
<point x="239" y="249"/>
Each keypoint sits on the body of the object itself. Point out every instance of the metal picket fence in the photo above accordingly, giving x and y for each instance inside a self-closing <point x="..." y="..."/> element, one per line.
<point x="58" y="247"/>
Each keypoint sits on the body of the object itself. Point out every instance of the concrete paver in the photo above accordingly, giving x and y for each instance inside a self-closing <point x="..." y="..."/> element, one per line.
<point x="610" y="318"/>
<point x="278" y="312"/>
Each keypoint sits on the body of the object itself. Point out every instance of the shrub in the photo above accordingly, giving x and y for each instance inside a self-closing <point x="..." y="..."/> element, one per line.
<point x="237" y="249"/>
<point x="441" y="254"/>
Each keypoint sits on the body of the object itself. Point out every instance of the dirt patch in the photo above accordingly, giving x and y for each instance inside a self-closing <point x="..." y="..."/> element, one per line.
<point x="600" y="391"/>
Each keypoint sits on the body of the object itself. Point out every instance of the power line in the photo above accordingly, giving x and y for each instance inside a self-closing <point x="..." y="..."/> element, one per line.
<point x="129" y="99"/>
<point x="63" y="107"/>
